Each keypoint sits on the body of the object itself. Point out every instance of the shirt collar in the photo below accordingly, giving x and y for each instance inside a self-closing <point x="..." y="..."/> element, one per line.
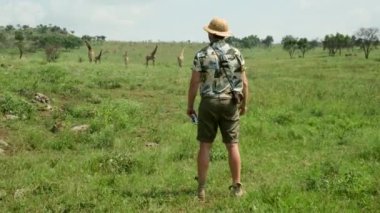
<point x="218" y="44"/>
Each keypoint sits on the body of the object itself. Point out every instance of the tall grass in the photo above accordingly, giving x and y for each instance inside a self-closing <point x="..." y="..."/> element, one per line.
<point x="309" y="142"/>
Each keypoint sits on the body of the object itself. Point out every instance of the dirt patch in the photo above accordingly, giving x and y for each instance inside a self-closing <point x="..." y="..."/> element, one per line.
<point x="3" y="133"/>
<point x="4" y="147"/>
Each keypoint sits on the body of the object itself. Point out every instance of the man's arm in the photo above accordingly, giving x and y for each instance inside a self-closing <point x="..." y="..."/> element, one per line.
<point x="243" y="106"/>
<point x="192" y="93"/>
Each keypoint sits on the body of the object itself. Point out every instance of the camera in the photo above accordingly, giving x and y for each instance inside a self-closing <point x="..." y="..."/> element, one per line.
<point x="194" y="118"/>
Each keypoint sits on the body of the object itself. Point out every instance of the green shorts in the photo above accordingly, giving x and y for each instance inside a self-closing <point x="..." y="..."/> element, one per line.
<point x="214" y="113"/>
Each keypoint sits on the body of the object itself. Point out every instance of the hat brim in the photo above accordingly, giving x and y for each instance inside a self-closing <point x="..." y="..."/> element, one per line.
<point x="223" y="34"/>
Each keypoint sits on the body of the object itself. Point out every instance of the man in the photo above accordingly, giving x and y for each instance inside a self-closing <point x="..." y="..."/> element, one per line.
<point x="217" y="108"/>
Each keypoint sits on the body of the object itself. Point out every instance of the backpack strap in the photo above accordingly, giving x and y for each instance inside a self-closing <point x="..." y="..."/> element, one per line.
<point x="221" y="67"/>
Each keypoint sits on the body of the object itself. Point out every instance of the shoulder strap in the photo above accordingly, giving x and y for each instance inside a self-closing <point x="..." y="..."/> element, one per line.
<point x="222" y="68"/>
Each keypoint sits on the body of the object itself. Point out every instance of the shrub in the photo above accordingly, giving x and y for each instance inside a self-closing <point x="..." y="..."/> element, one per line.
<point x="52" y="53"/>
<point x="103" y="139"/>
<point x="14" y="105"/>
<point x="109" y="84"/>
<point x="119" y="114"/>
<point x="284" y="118"/>
<point x="113" y="163"/>
<point x="65" y="141"/>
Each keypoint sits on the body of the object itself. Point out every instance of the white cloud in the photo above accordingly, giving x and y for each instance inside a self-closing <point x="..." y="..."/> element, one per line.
<point x="183" y="19"/>
<point x="21" y="12"/>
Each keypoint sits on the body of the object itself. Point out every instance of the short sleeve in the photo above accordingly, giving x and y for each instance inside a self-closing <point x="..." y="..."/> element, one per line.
<point x="241" y="60"/>
<point x="197" y="63"/>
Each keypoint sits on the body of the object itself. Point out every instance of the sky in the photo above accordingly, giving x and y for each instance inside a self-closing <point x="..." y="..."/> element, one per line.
<point x="183" y="20"/>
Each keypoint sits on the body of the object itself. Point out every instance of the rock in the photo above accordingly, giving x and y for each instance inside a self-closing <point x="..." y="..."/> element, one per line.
<point x="80" y="128"/>
<point x="151" y="144"/>
<point x="3" y="143"/>
<point x="10" y="117"/>
<point x="41" y="98"/>
<point x="46" y="107"/>
<point x="20" y="193"/>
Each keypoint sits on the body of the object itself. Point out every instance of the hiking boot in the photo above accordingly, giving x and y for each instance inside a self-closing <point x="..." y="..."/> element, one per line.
<point x="236" y="190"/>
<point x="201" y="192"/>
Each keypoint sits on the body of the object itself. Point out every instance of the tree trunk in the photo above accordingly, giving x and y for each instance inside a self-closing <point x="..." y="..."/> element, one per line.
<point x="366" y="52"/>
<point x="21" y="52"/>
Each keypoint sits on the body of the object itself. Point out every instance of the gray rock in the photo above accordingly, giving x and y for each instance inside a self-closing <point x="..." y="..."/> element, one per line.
<point x="80" y="128"/>
<point x="10" y="117"/>
<point x="151" y="144"/>
<point x="3" y="143"/>
<point x="41" y="98"/>
<point x="20" y="193"/>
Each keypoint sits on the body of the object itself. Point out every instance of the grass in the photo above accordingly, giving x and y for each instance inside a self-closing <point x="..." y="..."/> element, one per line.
<point x="309" y="142"/>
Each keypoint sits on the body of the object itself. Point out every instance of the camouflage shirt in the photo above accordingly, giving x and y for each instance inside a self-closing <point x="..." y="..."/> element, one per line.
<point x="214" y="82"/>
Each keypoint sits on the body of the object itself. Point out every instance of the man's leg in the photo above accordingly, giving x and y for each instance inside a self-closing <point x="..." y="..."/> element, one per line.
<point x="235" y="167"/>
<point x="234" y="161"/>
<point x="203" y="162"/>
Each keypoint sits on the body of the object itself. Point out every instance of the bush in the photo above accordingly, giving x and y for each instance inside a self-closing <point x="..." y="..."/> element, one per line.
<point x="52" y="53"/>
<point x="103" y="139"/>
<point x="14" y="105"/>
<point x="113" y="163"/>
<point x="109" y="84"/>
<point x="119" y="114"/>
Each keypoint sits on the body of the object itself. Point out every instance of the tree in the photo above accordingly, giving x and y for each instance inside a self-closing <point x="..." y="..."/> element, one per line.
<point x="348" y="42"/>
<point x="303" y="46"/>
<point x="55" y="40"/>
<point x="236" y="42"/>
<point x="289" y="43"/>
<point x="250" y="41"/>
<point x="367" y="39"/>
<point x="9" y="28"/>
<point x="314" y="43"/>
<point x="333" y="43"/>
<point x="19" y="37"/>
<point x="100" y="38"/>
<point x="3" y="38"/>
<point x="267" y="42"/>
<point x="340" y="42"/>
<point x="71" y="42"/>
<point x="86" y="38"/>
<point x="42" y="29"/>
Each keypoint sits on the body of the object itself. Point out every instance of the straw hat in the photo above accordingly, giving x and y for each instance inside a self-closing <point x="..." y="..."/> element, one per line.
<point x="218" y="27"/>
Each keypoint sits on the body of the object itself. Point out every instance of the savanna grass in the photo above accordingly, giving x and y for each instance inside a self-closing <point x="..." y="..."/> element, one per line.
<point x="309" y="141"/>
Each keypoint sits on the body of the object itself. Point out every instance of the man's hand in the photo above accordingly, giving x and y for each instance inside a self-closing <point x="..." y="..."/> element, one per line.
<point x="190" y="111"/>
<point x="242" y="109"/>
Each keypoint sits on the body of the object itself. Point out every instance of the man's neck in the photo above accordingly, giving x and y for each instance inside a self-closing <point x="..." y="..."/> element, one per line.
<point x="215" y="41"/>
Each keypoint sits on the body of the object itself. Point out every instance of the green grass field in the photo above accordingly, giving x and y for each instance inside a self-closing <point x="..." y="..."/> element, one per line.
<point x="310" y="141"/>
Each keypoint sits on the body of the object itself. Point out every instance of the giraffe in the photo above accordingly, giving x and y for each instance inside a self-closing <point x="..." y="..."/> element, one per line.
<point x="180" y="58"/>
<point x="91" y="54"/>
<point x="151" y="57"/>
<point x="126" y="58"/>
<point x="98" y="57"/>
